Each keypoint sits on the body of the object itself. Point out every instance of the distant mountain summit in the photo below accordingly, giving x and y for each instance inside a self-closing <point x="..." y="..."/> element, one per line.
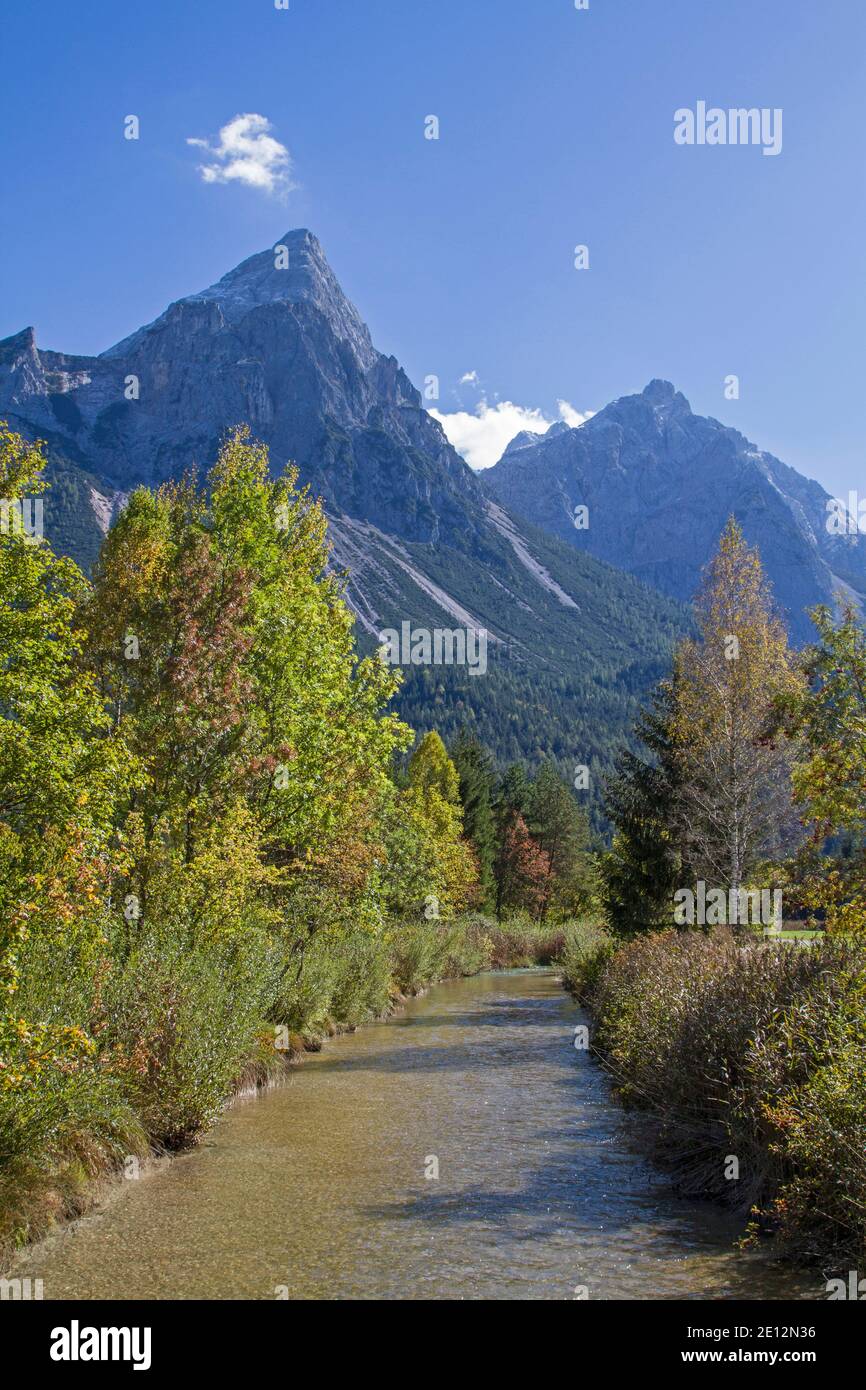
<point x="526" y="438"/>
<point x="659" y="483"/>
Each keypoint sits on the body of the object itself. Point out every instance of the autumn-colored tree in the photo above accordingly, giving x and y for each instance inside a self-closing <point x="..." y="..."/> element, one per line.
<point x="734" y="805"/>
<point x="226" y="654"/>
<point x="430" y="768"/>
<point x="523" y="871"/>
<point x="430" y="867"/>
<point x="169" y="633"/>
<point x="512" y="799"/>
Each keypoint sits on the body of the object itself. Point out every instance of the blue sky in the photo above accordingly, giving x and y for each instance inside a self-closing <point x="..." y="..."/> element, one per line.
<point x="556" y="129"/>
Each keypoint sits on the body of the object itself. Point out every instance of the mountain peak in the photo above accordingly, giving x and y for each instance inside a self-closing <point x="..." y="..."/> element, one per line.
<point x="294" y="268"/>
<point x="22" y="342"/>
<point x="664" y="394"/>
<point x="527" y="439"/>
<point x="293" y="271"/>
<point x="660" y="483"/>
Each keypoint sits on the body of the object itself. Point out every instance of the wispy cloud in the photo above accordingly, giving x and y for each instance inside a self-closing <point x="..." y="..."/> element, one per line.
<point x="482" y="436"/>
<point x="246" y="153"/>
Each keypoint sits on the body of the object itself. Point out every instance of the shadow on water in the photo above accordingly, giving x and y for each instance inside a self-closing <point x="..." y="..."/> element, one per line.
<point x="494" y="1013"/>
<point x="489" y="1025"/>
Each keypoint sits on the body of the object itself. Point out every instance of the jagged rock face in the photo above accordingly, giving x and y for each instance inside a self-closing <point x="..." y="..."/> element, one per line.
<point x="280" y="349"/>
<point x="660" y="483"/>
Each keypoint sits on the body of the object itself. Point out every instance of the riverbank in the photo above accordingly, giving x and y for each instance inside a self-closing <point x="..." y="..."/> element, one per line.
<point x="748" y="1055"/>
<point x="324" y="1002"/>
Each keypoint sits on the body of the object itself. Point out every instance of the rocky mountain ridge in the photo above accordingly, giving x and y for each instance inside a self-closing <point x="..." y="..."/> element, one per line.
<point x="659" y="483"/>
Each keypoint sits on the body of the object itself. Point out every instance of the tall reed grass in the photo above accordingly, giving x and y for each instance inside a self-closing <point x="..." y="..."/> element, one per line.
<point x="749" y="1054"/>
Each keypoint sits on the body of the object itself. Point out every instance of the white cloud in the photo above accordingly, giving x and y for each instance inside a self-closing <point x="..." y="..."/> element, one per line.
<point x="573" y="418"/>
<point x="481" y="436"/>
<point x="247" y="154"/>
<point x="468" y="379"/>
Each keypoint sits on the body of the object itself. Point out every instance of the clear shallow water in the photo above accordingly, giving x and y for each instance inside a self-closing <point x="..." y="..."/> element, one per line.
<point x="318" y="1188"/>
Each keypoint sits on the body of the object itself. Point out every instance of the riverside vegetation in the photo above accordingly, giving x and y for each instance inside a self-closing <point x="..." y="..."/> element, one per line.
<point x="215" y="848"/>
<point x="749" y="1056"/>
<point x="746" y="1048"/>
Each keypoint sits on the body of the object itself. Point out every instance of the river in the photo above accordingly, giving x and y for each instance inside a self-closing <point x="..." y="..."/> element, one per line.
<point x="319" y="1189"/>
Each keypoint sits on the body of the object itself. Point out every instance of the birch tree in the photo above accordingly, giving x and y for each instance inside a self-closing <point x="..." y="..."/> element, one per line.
<point x="734" y="804"/>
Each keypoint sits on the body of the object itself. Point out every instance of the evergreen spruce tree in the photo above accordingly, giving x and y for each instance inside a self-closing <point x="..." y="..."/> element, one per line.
<point x="512" y="796"/>
<point x="644" y="865"/>
<point x="561" y="830"/>
<point x="474" y="769"/>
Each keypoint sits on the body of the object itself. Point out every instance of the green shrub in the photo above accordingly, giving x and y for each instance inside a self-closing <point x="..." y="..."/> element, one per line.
<point x="56" y="1135"/>
<point x="420" y="953"/>
<point x="809" y="1070"/>
<point x="333" y="980"/>
<point x="60" y="1126"/>
<point x="520" y="940"/>
<point x="426" y="951"/>
<point x="469" y="947"/>
<point x="585" y="950"/>
<point x="308" y="974"/>
<point x="182" y="1020"/>
<point x="362" y="979"/>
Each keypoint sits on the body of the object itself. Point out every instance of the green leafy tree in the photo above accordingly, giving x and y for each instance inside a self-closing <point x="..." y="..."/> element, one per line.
<point x="322" y="743"/>
<point x="428" y="867"/>
<point x="827" y="721"/>
<point x="61" y="772"/>
<point x="430" y="768"/>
